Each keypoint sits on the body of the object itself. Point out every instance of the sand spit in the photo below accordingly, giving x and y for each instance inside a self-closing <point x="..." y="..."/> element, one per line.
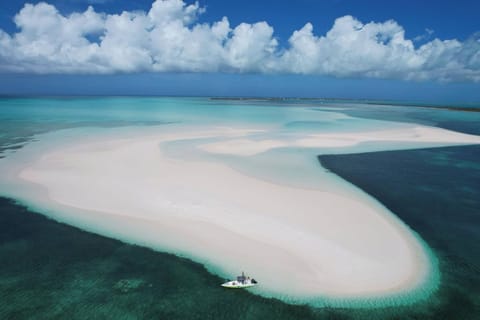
<point x="412" y="135"/>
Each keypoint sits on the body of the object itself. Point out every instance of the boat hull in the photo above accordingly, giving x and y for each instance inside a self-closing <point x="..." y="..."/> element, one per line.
<point x="237" y="285"/>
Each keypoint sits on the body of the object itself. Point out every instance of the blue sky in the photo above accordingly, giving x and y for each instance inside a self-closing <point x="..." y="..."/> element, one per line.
<point x="412" y="50"/>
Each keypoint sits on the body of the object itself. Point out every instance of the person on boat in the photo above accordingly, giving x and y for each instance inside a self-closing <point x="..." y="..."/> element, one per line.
<point x="241" y="278"/>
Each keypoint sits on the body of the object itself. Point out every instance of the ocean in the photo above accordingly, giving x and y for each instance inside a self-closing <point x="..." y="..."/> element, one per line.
<point x="51" y="270"/>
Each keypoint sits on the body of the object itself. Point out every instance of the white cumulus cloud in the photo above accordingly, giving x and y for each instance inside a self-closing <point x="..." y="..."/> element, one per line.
<point x="169" y="37"/>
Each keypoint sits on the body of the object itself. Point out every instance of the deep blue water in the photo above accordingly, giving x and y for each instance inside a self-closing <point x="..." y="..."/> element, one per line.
<point x="437" y="193"/>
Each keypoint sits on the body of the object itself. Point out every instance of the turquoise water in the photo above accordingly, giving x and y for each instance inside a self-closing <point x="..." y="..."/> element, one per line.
<point x="82" y="275"/>
<point x="461" y="121"/>
<point x="21" y="118"/>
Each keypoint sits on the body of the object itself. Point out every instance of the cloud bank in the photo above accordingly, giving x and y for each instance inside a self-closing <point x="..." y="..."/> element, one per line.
<point x="170" y="38"/>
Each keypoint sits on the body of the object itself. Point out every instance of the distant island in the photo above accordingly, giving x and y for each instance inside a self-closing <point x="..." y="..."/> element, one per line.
<point x="364" y="101"/>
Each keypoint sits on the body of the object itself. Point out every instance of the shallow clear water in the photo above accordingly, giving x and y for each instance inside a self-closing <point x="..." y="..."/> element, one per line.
<point x="22" y="118"/>
<point x="83" y="274"/>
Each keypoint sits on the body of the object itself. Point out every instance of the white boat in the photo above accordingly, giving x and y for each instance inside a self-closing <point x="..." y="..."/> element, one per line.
<point x="241" y="282"/>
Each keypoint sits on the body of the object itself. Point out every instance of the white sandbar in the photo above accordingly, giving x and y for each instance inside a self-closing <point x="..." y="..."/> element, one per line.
<point x="296" y="242"/>
<point x="413" y="134"/>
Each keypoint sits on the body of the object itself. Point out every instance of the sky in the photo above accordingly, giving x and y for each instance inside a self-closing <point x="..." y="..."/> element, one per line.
<point x="403" y="50"/>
